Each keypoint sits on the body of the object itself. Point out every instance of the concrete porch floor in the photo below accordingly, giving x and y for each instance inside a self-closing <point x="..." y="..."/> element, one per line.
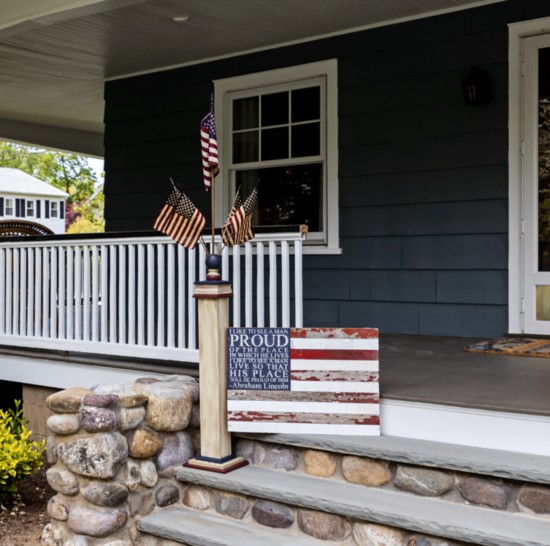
<point x="437" y="370"/>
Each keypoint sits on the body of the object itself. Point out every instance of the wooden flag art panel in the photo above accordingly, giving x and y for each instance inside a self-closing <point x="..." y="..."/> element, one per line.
<point x="303" y="380"/>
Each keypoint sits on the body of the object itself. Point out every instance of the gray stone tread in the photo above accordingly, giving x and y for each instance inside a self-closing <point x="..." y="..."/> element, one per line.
<point x="203" y="529"/>
<point x="492" y="462"/>
<point x="421" y="514"/>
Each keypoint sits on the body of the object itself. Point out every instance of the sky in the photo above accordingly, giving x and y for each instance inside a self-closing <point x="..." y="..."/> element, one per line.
<point x="96" y="165"/>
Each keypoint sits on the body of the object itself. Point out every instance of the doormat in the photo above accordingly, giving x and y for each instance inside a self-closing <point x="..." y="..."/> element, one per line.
<point x="513" y="346"/>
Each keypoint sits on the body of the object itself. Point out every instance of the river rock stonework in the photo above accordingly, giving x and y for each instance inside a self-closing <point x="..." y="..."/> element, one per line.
<point x="113" y="449"/>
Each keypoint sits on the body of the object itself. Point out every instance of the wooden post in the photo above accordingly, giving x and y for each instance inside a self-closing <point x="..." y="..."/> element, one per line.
<point x="213" y="309"/>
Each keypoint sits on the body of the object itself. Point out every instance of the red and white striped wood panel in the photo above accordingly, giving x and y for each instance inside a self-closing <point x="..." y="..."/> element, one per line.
<point x="334" y="387"/>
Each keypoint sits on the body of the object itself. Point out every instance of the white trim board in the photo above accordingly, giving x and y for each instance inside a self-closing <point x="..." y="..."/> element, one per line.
<point x="62" y="375"/>
<point x="514" y="432"/>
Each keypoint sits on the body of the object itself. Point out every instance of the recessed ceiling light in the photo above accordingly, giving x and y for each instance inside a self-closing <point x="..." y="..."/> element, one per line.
<point x="181" y="18"/>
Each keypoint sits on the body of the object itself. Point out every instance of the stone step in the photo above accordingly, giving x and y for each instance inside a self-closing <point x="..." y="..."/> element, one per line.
<point x="393" y="508"/>
<point x="195" y="528"/>
<point x="474" y="460"/>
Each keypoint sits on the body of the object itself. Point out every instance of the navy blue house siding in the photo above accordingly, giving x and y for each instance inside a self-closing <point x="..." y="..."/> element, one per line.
<point x="423" y="183"/>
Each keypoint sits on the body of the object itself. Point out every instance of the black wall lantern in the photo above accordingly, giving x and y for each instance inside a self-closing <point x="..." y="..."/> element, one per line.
<point x="477" y="87"/>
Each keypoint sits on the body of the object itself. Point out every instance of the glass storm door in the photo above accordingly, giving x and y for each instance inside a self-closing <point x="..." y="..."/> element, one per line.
<point x="536" y="185"/>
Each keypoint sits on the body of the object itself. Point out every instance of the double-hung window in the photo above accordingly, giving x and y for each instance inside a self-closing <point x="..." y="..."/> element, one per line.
<point x="30" y="207"/>
<point x="54" y="209"/>
<point x="9" y="207"/>
<point x="278" y="133"/>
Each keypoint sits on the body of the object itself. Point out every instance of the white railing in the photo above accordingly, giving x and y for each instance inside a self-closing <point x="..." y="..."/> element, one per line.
<point x="133" y="296"/>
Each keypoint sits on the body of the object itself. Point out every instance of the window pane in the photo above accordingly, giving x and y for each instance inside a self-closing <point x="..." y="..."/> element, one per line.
<point x="306" y="139"/>
<point x="275" y="109"/>
<point x="306" y="104"/>
<point x="245" y="113"/>
<point x="275" y="143"/>
<point x="286" y="195"/>
<point x="245" y="147"/>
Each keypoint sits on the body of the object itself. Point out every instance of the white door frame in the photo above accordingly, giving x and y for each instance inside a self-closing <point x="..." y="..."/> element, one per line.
<point x="516" y="171"/>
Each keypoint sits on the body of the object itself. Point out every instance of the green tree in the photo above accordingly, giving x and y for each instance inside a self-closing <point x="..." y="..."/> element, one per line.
<point x="66" y="171"/>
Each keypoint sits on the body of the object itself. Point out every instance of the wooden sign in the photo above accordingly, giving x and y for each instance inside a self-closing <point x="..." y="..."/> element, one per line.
<point x="303" y="380"/>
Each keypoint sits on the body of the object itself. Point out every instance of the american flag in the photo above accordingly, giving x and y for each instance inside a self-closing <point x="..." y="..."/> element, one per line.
<point x="237" y="228"/>
<point x="333" y="387"/>
<point x="209" y="148"/>
<point x="180" y="219"/>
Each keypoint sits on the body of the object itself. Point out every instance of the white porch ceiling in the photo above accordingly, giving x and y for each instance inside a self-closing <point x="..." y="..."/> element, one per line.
<point x="56" y="54"/>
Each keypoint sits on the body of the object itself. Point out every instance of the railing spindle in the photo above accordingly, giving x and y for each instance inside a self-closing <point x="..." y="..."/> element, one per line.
<point x="15" y="307"/>
<point x="53" y="293"/>
<point x="248" y="285"/>
<point x="236" y="286"/>
<point x="161" y="294"/>
<point x="95" y="293"/>
<point x="272" y="284"/>
<point x="61" y="293"/>
<point x="30" y="290"/>
<point x="150" y="295"/>
<point x="132" y="294"/>
<point x="141" y="296"/>
<point x="86" y="309"/>
<point x="170" y="297"/>
<point x="260" y="288"/>
<point x="122" y="272"/>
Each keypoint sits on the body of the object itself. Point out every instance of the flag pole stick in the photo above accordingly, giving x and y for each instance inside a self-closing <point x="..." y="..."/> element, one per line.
<point x="212" y="206"/>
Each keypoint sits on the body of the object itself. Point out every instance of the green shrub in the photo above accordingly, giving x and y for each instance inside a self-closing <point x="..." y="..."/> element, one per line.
<point x="19" y="456"/>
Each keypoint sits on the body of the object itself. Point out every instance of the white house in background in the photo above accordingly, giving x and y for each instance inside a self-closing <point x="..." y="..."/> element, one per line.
<point x="24" y="197"/>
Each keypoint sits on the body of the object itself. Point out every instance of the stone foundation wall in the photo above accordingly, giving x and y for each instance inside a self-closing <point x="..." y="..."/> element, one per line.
<point x="114" y="450"/>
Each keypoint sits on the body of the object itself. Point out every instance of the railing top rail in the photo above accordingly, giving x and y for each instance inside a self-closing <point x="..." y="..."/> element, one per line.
<point x="262" y="234"/>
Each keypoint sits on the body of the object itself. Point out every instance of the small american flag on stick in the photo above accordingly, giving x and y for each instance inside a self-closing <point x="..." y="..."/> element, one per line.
<point x="180" y="219"/>
<point x="238" y="226"/>
<point x="209" y="148"/>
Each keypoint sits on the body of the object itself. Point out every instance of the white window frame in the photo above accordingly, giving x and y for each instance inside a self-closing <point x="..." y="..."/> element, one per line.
<point x="223" y="88"/>
<point x="9" y="207"/>
<point x="54" y="209"/>
<point x="30" y="208"/>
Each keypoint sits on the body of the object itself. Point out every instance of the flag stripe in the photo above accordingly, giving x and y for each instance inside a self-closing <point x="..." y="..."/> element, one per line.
<point x="301" y="407"/>
<point x="315" y="376"/>
<point x="328" y="354"/>
<point x="304" y="428"/>
<point x="333" y="386"/>
<point x="340" y="419"/>
<point x="334" y="344"/>
<point x="333" y="365"/>
<point x="290" y="396"/>
<point x="332" y="333"/>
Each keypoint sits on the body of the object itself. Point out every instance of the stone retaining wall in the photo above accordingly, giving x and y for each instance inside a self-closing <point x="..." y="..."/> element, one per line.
<point x="113" y="451"/>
